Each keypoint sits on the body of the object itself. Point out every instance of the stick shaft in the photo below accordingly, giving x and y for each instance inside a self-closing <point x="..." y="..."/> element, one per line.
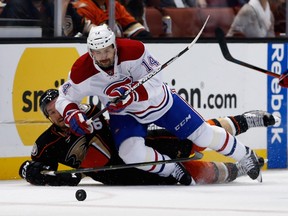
<point x="195" y="156"/>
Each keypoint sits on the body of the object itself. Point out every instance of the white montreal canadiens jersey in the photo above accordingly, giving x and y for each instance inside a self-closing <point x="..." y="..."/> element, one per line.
<point x="132" y="63"/>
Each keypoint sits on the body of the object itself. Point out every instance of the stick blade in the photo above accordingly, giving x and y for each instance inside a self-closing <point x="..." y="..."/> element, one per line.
<point x="283" y="80"/>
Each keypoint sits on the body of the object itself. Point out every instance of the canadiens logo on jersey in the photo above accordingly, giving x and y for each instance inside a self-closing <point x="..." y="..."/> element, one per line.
<point x="118" y="83"/>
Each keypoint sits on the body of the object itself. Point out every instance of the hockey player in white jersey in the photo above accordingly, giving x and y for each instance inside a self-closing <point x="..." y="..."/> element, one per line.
<point x="109" y="68"/>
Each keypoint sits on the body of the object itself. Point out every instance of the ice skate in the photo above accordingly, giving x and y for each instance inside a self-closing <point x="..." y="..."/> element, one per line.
<point x="250" y="165"/>
<point x="182" y="176"/>
<point x="259" y="118"/>
<point x="241" y="171"/>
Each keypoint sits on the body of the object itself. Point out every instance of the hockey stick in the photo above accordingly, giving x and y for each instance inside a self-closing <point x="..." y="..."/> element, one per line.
<point x="195" y="156"/>
<point x="283" y="79"/>
<point x="153" y="73"/>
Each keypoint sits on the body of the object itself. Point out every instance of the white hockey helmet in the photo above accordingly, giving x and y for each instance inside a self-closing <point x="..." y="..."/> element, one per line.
<point x="100" y="37"/>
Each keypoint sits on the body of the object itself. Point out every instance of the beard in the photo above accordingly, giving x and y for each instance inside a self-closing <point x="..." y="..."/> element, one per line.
<point x="107" y="63"/>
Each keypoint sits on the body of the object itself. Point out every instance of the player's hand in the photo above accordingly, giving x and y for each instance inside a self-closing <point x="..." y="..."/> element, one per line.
<point x="76" y="120"/>
<point x="117" y="101"/>
<point x="31" y="172"/>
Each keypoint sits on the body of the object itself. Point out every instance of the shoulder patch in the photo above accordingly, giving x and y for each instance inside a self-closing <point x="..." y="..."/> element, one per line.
<point x="34" y="151"/>
<point x="65" y="87"/>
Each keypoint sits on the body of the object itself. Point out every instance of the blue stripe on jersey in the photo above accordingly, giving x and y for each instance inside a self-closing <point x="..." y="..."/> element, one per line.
<point x="233" y="148"/>
<point x="162" y="165"/>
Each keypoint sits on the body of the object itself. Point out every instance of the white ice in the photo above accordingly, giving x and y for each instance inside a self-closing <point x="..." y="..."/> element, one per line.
<point x="241" y="197"/>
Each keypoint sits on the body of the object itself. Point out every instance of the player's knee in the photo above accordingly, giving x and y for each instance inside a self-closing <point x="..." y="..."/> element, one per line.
<point x="208" y="136"/>
<point x="132" y="150"/>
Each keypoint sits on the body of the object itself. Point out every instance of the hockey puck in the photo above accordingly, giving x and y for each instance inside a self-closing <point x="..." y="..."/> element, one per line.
<point x="81" y="195"/>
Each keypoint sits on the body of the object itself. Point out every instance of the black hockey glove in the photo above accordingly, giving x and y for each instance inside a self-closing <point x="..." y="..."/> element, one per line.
<point x="31" y="172"/>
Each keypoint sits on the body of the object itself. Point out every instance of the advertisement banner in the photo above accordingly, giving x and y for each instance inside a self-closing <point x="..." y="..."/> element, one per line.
<point x="277" y="104"/>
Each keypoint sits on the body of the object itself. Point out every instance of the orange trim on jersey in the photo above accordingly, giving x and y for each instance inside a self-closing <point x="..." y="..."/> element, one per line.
<point x="235" y="124"/>
<point x="211" y="122"/>
<point x="46" y="146"/>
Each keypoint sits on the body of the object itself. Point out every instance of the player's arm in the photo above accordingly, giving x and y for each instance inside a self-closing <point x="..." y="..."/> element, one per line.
<point x="68" y="107"/>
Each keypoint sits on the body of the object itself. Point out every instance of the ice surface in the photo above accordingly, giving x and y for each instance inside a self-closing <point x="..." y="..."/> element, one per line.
<point x="243" y="197"/>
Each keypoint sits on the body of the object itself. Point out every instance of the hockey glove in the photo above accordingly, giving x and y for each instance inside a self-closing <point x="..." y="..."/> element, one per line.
<point x="31" y="172"/>
<point x="76" y="120"/>
<point x="117" y="103"/>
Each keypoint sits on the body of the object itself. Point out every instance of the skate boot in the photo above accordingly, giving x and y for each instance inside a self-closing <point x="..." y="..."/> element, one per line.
<point x="250" y="164"/>
<point x="259" y="118"/>
<point x="241" y="171"/>
<point x="182" y="176"/>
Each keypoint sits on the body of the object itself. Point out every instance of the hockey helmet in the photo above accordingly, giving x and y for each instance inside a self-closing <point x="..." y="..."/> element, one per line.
<point x="100" y="37"/>
<point x="46" y="98"/>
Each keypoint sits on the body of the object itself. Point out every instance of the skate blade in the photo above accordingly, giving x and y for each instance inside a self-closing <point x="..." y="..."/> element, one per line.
<point x="259" y="178"/>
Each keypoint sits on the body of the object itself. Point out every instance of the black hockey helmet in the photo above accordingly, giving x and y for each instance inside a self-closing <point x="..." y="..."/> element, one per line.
<point x="46" y="98"/>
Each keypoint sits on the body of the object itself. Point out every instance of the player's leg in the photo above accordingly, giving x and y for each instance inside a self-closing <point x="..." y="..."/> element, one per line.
<point x="185" y="122"/>
<point x="129" y="136"/>
<point x="238" y="124"/>
<point x="204" y="172"/>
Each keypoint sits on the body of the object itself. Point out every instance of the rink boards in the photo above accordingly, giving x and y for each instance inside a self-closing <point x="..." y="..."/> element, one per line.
<point x="214" y="86"/>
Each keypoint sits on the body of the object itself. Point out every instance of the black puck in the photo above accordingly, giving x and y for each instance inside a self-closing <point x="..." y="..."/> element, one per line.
<point x="81" y="195"/>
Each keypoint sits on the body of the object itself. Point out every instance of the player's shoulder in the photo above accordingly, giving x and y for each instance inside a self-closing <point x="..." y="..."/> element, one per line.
<point x="129" y="49"/>
<point x="82" y="69"/>
<point x="47" y="139"/>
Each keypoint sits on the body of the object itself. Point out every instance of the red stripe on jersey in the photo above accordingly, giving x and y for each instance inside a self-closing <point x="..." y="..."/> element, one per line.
<point x="142" y="94"/>
<point x="225" y="143"/>
<point x="153" y="107"/>
<point x="156" y="159"/>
